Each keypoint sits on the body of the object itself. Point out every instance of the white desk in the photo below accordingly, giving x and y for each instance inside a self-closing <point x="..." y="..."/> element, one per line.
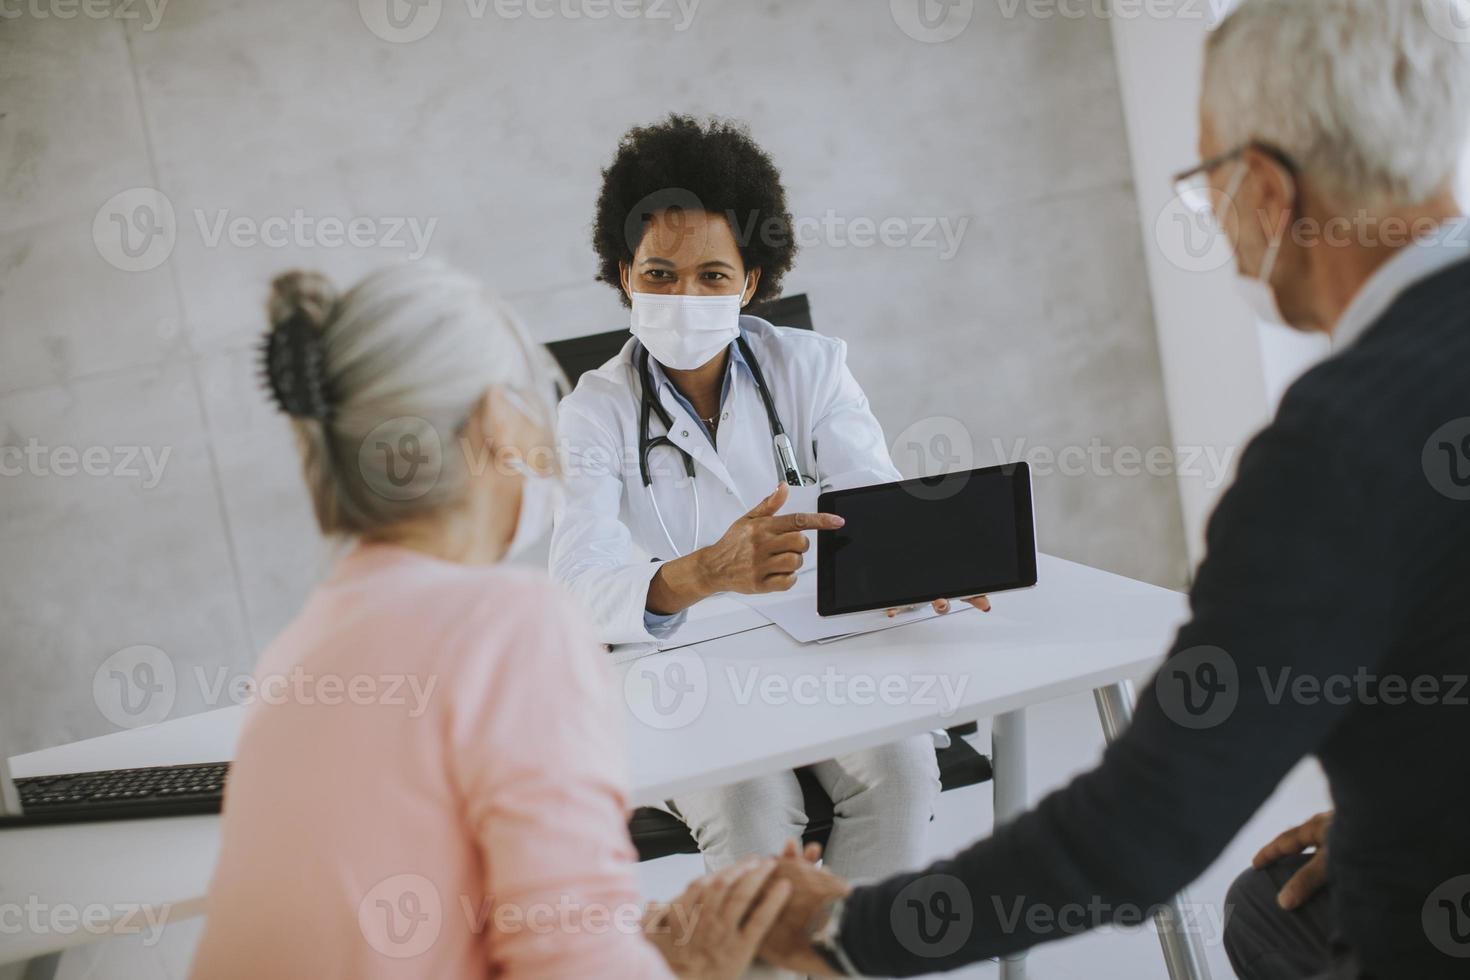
<point x="1079" y="629"/>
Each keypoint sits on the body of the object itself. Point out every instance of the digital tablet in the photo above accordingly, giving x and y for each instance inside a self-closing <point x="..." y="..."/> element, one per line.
<point x="942" y="537"/>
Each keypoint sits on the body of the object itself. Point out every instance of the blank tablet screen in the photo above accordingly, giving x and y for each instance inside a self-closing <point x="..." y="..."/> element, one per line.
<point x="961" y="534"/>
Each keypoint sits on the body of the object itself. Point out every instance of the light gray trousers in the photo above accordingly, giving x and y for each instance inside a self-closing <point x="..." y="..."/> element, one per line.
<point x="882" y="798"/>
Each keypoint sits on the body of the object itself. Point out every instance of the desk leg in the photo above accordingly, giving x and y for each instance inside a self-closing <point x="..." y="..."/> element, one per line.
<point x="1008" y="784"/>
<point x="1184" y="953"/>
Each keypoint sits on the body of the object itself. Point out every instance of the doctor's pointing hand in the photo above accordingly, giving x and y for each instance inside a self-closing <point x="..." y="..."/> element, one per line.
<point x="761" y="552"/>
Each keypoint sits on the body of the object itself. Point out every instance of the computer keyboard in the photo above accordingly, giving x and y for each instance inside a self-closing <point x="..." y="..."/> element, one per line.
<point x="122" y="794"/>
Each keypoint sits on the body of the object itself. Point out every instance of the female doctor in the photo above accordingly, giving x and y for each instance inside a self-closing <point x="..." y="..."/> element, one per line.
<point x="703" y="445"/>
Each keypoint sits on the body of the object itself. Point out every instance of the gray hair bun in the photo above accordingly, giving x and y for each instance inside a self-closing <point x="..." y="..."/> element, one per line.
<point x="293" y="356"/>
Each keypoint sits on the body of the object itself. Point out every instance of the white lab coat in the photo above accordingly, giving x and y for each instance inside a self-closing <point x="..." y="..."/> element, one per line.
<point x="606" y="530"/>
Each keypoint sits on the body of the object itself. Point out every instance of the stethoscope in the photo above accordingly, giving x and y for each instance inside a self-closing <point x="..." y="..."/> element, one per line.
<point x="650" y="405"/>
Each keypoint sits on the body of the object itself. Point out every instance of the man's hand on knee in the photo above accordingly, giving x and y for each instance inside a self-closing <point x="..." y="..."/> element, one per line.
<point x="1310" y="878"/>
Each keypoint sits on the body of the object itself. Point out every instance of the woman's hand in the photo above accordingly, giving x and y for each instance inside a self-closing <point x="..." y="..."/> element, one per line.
<point x="1310" y="878"/>
<point x="712" y="931"/>
<point x="788" y="944"/>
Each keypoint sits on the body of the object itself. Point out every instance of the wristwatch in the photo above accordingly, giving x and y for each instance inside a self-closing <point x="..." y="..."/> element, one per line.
<point x="827" y="941"/>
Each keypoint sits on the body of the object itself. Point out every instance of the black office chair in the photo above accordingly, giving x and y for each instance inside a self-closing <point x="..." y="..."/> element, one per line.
<point x="656" y="833"/>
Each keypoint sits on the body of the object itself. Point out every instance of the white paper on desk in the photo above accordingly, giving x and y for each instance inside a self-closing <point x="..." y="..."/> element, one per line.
<point x="795" y="612"/>
<point x="880" y="620"/>
<point x="717" y="616"/>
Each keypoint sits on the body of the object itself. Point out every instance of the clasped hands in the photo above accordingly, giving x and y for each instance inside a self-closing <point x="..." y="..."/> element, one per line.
<point x="766" y="908"/>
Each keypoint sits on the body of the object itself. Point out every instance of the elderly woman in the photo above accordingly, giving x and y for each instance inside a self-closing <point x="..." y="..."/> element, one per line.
<point x="440" y="793"/>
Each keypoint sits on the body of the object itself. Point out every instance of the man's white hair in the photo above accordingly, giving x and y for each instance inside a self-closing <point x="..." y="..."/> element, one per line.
<point x="1371" y="98"/>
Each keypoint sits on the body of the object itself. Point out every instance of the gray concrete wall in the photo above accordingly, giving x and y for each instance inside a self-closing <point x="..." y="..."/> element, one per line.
<point x="216" y="123"/>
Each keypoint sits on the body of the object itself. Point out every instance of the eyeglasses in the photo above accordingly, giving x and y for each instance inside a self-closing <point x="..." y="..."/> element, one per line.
<point x="1192" y="187"/>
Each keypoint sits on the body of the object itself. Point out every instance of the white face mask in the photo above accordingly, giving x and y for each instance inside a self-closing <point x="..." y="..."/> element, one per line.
<point x="540" y="498"/>
<point x="1256" y="290"/>
<point x="541" y="494"/>
<point x="684" y="332"/>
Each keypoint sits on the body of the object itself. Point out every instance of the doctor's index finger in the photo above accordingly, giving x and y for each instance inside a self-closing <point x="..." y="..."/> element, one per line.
<point x="805" y="522"/>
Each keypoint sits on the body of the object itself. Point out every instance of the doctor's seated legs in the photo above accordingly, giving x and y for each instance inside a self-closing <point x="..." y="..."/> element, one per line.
<point x="883" y="799"/>
<point x="756" y="816"/>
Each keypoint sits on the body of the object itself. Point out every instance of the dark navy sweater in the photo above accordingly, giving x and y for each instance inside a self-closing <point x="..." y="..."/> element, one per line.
<point x="1331" y="617"/>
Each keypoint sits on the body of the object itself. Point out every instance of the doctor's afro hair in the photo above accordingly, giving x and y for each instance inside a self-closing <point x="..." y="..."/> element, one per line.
<point x="684" y="163"/>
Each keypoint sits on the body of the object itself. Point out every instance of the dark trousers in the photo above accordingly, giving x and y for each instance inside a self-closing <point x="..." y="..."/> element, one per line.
<point x="1266" y="942"/>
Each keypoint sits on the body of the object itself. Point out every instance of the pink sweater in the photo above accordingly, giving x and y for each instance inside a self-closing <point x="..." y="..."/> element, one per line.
<point x="429" y="784"/>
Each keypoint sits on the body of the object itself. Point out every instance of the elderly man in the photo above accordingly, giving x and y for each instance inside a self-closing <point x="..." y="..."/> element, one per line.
<point x="1332" y="614"/>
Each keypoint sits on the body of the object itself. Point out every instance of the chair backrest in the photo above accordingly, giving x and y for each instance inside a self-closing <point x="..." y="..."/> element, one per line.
<point x="579" y="355"/>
